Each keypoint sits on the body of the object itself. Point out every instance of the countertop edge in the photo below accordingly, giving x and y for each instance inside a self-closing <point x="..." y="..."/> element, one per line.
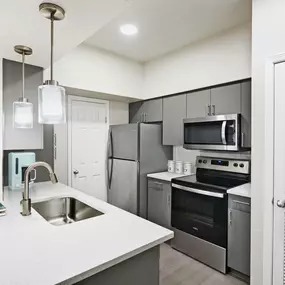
<point x="242" y="191"/>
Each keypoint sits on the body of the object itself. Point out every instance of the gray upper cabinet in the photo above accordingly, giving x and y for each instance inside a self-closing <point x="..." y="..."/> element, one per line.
<point x="135" y="115"/>
<point x="174" y="111"/>
<point x="226" y="100"/>
<point x="152" y="110"/>
<point x="146" y="111"/>
<point x="19" y="139"/>
<point x="198" y="104"/>
<point x="246" y="114"/>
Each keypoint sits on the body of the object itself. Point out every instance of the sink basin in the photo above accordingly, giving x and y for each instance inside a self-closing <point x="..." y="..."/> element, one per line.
<point x="62" y="211"/>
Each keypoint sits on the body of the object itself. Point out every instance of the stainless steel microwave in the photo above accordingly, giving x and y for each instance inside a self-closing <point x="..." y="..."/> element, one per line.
<point x="220" y="132"/>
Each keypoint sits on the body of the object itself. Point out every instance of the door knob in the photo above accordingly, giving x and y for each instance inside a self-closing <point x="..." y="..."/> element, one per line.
<point x="281" y="203"/>
<point x="75" y="172"/>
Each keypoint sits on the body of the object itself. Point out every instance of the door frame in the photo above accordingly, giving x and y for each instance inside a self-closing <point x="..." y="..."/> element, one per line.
<point x="268" y="190"/>
<point x="62" y="133"/>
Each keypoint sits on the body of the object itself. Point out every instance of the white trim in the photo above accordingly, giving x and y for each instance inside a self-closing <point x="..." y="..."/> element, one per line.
<point x="82" y="99"/>
<point x="268" y="191"/>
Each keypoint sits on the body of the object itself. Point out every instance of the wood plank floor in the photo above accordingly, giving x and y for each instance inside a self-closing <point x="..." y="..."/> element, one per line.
<point x="179" y="269"/>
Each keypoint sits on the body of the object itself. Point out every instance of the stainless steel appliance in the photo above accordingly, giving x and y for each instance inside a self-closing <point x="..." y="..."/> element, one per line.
<point x="221" y="132"/>
<point x="200" y="207"/>
<point x="134" y="151"/>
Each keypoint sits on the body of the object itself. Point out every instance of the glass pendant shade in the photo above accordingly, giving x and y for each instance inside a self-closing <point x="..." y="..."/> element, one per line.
<point x="23" y="114"/>
<point x="52" y="104"/>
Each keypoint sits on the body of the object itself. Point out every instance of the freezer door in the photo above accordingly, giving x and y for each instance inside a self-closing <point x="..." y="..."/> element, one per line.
<point x="124" y="141"/>
<point x="123" y="191"/>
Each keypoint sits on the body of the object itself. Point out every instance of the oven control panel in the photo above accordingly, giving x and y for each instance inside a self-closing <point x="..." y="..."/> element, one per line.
<point x="224" y="164"/>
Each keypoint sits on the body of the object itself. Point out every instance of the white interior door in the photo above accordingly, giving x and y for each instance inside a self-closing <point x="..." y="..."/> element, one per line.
<point x="279" y="177"/>
<point x="88" y="133"/>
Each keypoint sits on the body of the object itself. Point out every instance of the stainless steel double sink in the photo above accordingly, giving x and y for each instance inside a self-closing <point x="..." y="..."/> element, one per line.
<point x="64" y="210"/>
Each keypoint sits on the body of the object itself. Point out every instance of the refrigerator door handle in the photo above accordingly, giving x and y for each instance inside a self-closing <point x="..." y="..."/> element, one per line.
<point x="112" y="161"/>
<point x="107" y="160"/>
<point x="109" y="156"/>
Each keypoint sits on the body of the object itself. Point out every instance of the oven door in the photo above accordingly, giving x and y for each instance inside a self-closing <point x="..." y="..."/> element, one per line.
<point x="200" y="213"/>
<point x="214" y="132"/>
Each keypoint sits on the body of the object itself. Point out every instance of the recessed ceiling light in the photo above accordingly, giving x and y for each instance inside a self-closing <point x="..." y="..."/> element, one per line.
<point x="129" y="29"/>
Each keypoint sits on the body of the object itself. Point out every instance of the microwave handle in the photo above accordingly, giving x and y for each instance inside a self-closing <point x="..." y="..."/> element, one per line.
<point x="223" y="132"/>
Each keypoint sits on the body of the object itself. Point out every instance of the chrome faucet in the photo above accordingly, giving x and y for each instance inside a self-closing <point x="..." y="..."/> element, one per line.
<point x="26" y="202"/>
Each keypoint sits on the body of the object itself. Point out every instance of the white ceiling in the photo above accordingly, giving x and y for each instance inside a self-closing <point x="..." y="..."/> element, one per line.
<point x="167" y="25"/>
<point x="21" y="23"/>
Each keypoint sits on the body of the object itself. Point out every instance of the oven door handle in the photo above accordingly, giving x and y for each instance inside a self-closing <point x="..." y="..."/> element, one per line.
<point x="223" y="132"/>
<point x="198" y="191"/>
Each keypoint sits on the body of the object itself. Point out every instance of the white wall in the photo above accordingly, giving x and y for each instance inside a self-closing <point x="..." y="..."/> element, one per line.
<point x="268" y="30"/>
<point x="100" y="71"/>
<point x="223" y="58"/>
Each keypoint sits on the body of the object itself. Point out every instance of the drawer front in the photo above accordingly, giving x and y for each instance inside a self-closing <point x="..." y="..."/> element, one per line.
<point x="239" y="203"/>
<point x="155" y="184"/>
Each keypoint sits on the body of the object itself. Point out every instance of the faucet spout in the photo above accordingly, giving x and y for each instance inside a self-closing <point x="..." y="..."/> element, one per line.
<point x="26" y="201"/>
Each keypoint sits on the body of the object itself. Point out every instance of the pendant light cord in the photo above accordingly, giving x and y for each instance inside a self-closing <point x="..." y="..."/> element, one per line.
<point x="23" y="75"/>
<point x="51" y="41"/>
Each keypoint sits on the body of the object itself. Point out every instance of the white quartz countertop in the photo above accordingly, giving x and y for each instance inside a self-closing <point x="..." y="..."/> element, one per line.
<point x="35" y="252"/>
<point x="166" y="176"/>
<point x="242" y="190"/>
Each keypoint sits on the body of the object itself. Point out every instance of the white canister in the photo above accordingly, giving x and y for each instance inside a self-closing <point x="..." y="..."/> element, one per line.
<point x="179" y="167"/>
<point x="187" y="168"/>
<point x="171" y="166"/>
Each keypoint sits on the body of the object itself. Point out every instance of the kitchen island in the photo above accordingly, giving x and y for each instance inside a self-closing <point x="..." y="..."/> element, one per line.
<point x="114" y="248"/>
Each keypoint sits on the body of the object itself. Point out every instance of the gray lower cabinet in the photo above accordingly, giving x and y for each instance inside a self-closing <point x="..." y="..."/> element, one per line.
<point x="19" y="139"/>
<point x="159" y="202"/>
<point x="226" y="99"/>
<point x="239" y="234"/>
<point x="146" y="111"/>
<point x="198" y="104"/>
<point x="174" y="111"/>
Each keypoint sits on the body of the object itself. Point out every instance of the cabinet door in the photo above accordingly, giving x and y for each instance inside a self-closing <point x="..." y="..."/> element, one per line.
<point x="15" y="139"/>
<point x="174" y="111"/>
<point x="239" y="241"/>
<point x="159" y="207"/>
<point x="152" y="110"/>
<point x="246" y="114"/>
<point x="135" y="114"/>
<point x="226" y="99"/>
<point x="198" y="104"/>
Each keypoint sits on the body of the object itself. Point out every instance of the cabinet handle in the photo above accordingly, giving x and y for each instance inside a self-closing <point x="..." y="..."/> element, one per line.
<point x="145" y="117"/>
<point x="169" y="200"/>
<point x="157" y="183"/>
<point x="242" y="203"/>
<point x="230" y="217"/>
<point x="209" y="110"/>
<point x="242" y="139"/>
<point x="214" y="109"/>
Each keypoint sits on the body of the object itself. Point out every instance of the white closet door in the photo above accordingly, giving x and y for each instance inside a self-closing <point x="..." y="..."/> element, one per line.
<point x="88" y="147"/>
<point x="279" y="177"/>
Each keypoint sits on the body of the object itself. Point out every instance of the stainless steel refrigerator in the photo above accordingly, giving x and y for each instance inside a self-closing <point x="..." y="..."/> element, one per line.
<point x="134" y="151"/>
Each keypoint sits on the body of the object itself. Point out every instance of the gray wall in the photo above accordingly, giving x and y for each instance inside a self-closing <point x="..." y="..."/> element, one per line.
<point x="45" y="154"/>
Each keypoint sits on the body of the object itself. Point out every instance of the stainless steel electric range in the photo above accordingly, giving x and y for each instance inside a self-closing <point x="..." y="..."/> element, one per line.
<point x="200" y="206"/>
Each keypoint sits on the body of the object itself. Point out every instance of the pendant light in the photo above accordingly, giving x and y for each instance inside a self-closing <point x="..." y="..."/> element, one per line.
<point x="51" y="96"/>
<point x="22" y="109"/>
